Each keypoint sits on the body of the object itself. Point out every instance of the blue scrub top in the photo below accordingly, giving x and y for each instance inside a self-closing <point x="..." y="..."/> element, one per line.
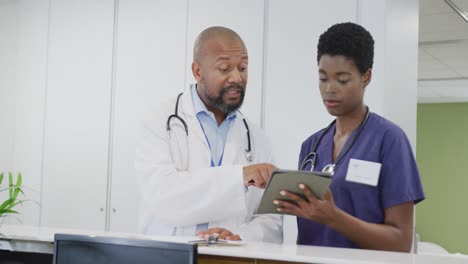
<point x="380" y="141"/>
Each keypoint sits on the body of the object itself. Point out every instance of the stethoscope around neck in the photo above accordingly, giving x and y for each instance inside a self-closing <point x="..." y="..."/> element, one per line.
<point x="247" y="152"/>
<point x="330" y="168"/>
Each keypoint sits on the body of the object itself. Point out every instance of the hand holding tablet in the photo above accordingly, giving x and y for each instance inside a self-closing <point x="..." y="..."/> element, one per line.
<point x="289" y="180"/>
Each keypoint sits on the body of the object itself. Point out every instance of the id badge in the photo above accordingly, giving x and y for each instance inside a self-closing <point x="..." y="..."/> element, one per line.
<point x="364" y="172"/>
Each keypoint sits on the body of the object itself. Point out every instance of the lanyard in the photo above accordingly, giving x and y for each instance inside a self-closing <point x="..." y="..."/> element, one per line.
<point x="212" y="164"/>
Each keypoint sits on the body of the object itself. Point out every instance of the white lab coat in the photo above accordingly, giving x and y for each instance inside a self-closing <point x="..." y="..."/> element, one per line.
<point x="174" y="201"/>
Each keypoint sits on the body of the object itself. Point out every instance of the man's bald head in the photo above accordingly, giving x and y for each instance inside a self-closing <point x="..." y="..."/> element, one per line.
<point x="213" y="33"/>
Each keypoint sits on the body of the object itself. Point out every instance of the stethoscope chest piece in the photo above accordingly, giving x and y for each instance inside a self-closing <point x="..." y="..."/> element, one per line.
<point x="330" y="168"/>
<point x="248" y="155"/>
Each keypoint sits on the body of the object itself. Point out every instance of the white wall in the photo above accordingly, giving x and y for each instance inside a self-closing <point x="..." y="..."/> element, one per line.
<point x="150" y="66"/>
<point x="77" y="113"/>
<point x="8" y="53"/>
<point x="402" y="27"/>
<point x="86" y="70"/>
<point x="395" y="26"/>
<point x="30" y="91"/>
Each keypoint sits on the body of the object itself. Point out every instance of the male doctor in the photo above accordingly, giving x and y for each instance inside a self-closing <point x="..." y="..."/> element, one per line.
<point x="201" y="164"/>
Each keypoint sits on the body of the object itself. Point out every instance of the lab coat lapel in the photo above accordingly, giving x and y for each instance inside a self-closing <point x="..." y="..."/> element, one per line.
<point x="234" y="143"/>
<point x="189" y="115"/>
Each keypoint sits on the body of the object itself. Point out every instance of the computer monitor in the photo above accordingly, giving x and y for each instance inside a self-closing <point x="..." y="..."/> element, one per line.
<point x="80" y="249"/>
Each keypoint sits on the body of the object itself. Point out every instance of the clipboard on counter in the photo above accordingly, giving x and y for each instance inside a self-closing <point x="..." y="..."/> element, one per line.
<point x="318" y="182"/>
<point x="213" y="240"/>
<point x="218" y="243"/>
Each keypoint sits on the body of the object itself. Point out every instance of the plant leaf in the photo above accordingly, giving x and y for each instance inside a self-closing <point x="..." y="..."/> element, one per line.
<point x="14" y="188"/>
<point x="8" y="212"/>
<point x="10" y="183"/>
<point x="11" y="205"/>
<point x="6" y="188"/>
<point x="6" y="203"/>
<point x="17" y="189"/>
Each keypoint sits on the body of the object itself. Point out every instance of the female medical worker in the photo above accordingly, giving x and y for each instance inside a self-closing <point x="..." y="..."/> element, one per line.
<point x="375" y="180"/>
<point x="193" y="178"/>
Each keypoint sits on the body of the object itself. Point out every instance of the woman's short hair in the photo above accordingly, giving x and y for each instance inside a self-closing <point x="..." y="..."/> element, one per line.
<point x="350" y="40"/>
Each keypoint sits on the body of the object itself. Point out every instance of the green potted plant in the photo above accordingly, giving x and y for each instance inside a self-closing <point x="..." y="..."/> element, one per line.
<point x="14" y="189"/>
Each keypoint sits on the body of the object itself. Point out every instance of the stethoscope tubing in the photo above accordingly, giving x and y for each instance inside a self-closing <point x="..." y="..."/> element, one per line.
<point x="311" y="157"/>
<point x="248" y="151"/>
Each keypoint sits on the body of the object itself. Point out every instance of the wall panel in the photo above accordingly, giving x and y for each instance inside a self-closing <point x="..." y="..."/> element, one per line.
<point x="149" y="67"/>
<point x="30" y="91"/>
<point x="77" y="114"/>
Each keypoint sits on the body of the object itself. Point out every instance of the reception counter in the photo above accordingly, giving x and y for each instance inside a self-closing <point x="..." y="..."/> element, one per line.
<point x="40" y="240"/>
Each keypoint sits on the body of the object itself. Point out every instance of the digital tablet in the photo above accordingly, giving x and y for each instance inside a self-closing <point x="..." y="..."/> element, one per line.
<point x="289" y="180"/>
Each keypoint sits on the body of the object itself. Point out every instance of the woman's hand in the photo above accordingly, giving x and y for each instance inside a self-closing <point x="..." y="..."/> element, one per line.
<point x="321" y="211"/>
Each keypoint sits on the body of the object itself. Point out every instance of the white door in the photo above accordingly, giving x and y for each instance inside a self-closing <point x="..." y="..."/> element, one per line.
<point x="150" y="66"/>
<point x="77" y="114"/>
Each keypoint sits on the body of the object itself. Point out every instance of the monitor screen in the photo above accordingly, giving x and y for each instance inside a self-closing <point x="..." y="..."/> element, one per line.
<point x="78" y="249"/>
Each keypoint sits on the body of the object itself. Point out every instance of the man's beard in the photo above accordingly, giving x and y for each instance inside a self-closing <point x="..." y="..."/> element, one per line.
<point x="227" y="108"/>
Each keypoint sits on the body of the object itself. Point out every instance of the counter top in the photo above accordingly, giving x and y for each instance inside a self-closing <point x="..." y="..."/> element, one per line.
<point x="40" y="239"/>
